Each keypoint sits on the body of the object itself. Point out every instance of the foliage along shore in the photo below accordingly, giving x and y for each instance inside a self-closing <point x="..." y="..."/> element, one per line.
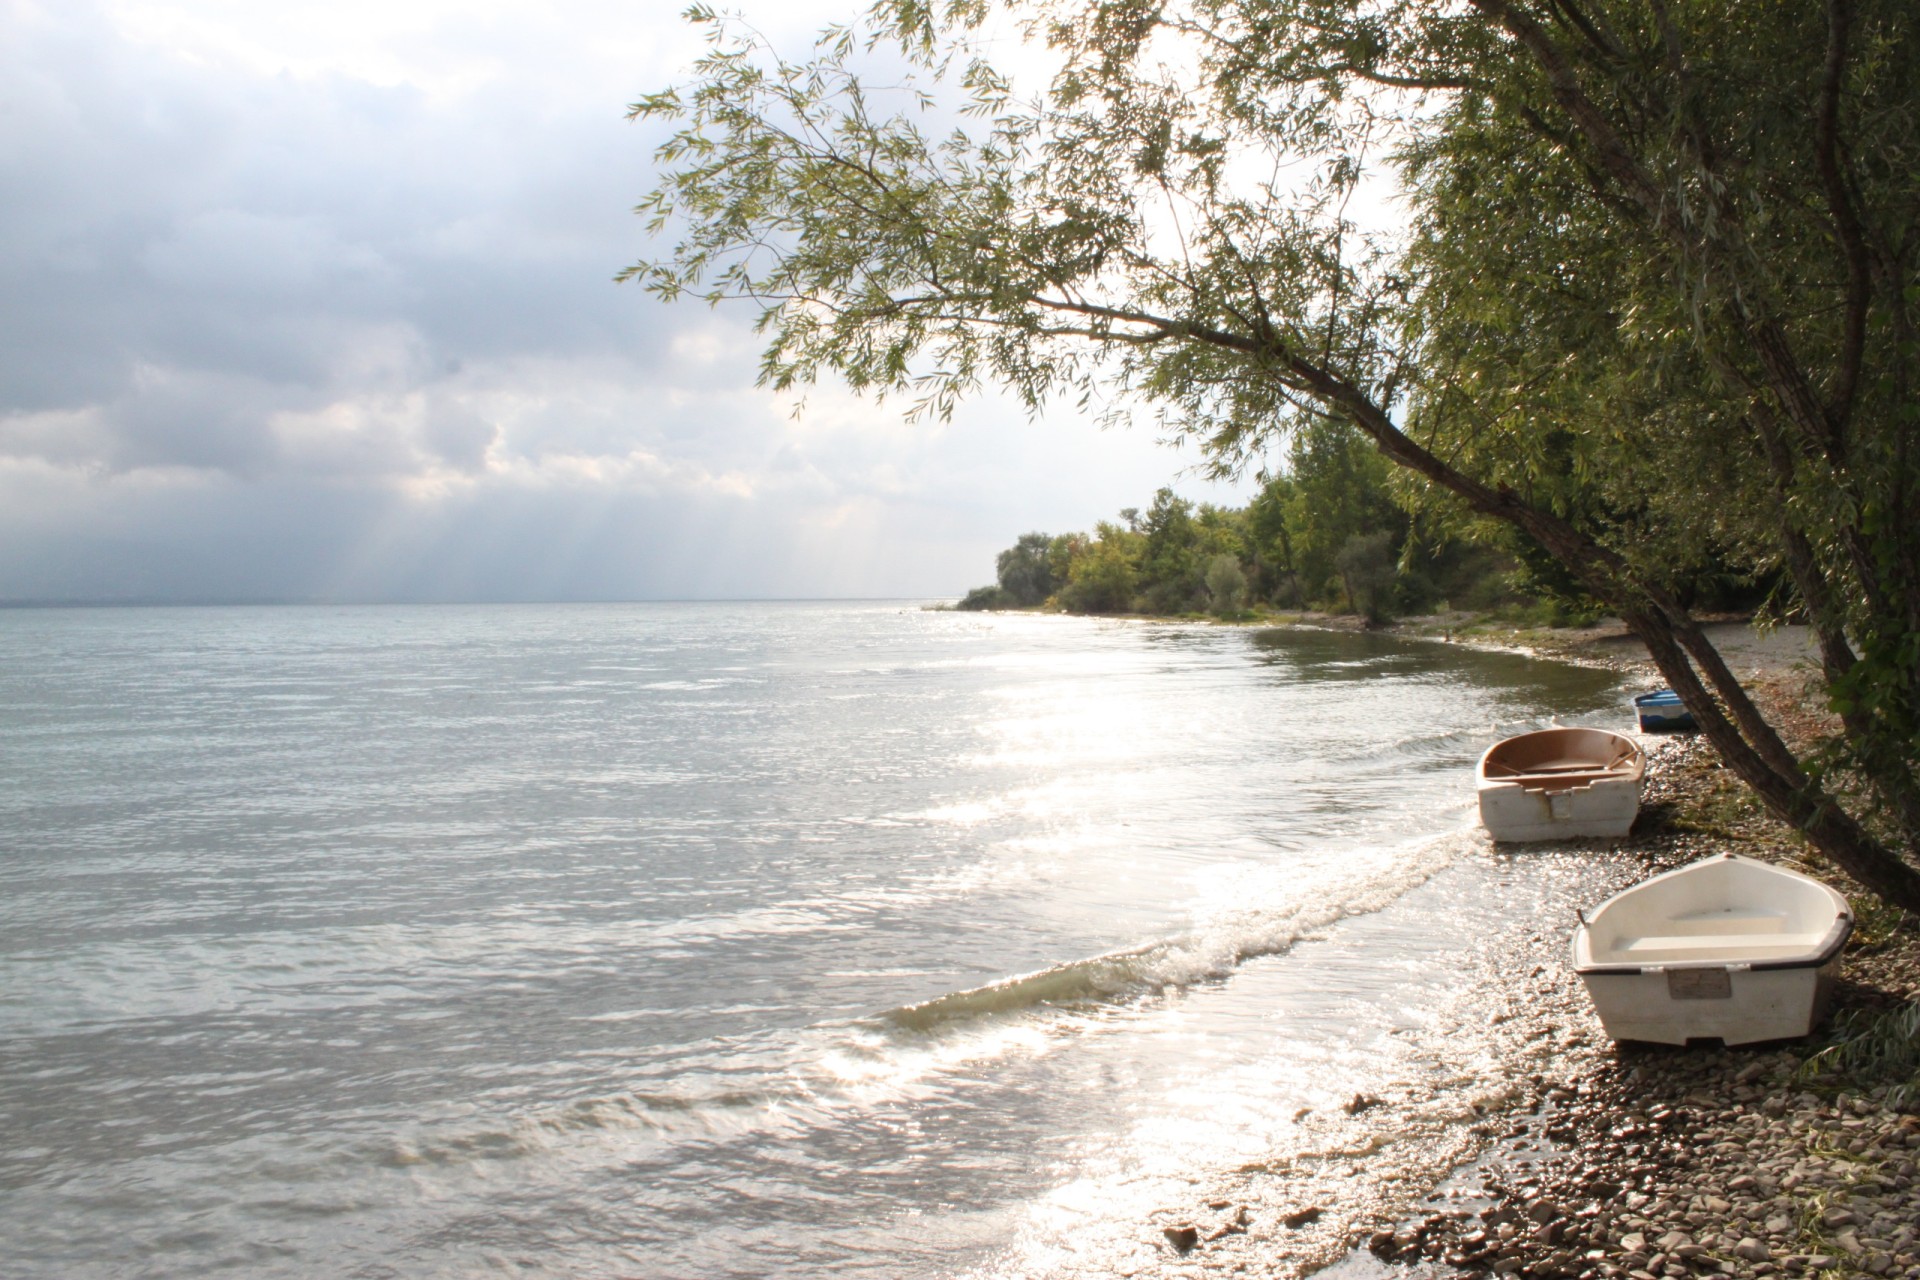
<point x="1331" y="535"/>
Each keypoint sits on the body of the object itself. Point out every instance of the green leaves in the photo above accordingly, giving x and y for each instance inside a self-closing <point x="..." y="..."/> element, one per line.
<point x="1627" y="312"/>
<point x="1046" y="243"/>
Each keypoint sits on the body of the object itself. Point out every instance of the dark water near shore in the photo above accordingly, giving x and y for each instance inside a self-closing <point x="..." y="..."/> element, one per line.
<point x="705" y="940"/>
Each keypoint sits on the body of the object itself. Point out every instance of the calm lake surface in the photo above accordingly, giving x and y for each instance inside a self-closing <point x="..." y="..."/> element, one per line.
<point x="709" y="940"/>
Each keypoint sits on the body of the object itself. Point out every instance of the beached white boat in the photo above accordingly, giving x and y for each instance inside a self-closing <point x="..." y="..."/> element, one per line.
<point x="1560" y="783"/>
<point x="1727" y="948"/>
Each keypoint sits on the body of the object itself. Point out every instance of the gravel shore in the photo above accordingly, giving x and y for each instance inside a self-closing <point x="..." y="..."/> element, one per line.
<point x="1658" y="1164"/>
<point x="1599" y="1161"/>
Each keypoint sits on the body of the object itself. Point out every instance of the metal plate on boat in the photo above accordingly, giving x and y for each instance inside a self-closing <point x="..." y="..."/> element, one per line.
<point x="1700" y="984"/>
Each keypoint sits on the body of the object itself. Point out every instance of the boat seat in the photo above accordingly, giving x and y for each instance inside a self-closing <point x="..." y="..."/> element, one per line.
<point x="1734" y="922"/>
<point x="1685" y="945"/>
<point x="1554" y="773"/>
<point x="1558" y="782"/>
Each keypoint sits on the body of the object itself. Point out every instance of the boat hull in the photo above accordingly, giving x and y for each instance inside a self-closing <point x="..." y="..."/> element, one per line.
<point x="1728" y="948"/>
<point x="1759" y="1005"/>
<point x="1560" y="784"/>
<point x="1515" y="814"/>
<point x="1662" y="712"/>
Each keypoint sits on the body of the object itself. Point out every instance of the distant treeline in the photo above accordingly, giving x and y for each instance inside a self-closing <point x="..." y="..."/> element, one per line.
<point x="1338" y="531"/>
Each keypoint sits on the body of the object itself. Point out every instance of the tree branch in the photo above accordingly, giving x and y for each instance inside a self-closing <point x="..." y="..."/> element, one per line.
<point x="1846" y="224"/>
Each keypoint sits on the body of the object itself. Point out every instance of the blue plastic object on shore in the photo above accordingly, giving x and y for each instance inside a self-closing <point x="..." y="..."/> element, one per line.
<point x="1662" y="712"/>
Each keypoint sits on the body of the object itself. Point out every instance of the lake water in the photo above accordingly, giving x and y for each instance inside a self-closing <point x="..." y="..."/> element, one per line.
<point x="712" y="940"/>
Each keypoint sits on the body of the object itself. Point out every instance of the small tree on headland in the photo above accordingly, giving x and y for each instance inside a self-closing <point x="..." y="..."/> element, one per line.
<point x="1365" y="564"/>
<point x="1226" y="585"/>
<point x="1659" y="299"/>
<point x="1106" y="575"/>
<point x="1026" y="570"/>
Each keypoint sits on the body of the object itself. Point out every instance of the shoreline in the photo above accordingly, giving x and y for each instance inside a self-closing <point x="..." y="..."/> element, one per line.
<point x="1654" y="1163"/>
<point x="1762" y="655"/>
<point x="1649" y="1162"/>
<point x="1631" y="1162"/>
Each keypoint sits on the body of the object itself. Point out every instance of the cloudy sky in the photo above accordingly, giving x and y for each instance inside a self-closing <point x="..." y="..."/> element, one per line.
<point x="315" y="301"/>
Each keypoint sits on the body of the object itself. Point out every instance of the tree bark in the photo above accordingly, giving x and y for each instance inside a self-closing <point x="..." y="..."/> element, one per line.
<point x="1740" y="732"/>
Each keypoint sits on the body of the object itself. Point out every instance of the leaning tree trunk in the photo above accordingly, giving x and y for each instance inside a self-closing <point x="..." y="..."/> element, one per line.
<point x="1727" y="714"/>
<point x="1788" y="794"/>
<point x="1803" y="412"/>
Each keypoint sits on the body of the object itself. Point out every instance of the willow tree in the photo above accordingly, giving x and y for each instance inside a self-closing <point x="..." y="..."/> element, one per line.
<point x="1651" y="299"/>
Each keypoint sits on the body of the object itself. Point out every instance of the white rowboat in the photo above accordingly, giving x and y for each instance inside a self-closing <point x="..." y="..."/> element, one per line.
<point x="1727" y="948"/>
<point x="1560" y="783"/>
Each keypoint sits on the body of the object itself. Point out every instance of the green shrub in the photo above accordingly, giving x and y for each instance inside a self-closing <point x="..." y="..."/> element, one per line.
<point x="986" y="598"/>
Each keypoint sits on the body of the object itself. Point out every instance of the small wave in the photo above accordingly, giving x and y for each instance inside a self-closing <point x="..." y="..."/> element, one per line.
<point x="1209" y="954"/>
<point x="833" y="1066"/>
<point x="1449" y="748"/>
<point x="1112" y="974"/>
<point x="667" y="1115"/>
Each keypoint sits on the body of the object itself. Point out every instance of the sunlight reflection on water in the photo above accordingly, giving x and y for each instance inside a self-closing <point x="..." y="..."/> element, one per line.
<point x="719" y="939"/>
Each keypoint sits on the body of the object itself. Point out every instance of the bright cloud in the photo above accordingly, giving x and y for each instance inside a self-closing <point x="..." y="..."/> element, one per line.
<point x="315" y="300"/>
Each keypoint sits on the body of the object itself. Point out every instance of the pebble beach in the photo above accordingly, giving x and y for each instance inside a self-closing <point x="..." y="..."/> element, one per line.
<point x="1650" y="1162"/>
<point x="1633" y="1162"/>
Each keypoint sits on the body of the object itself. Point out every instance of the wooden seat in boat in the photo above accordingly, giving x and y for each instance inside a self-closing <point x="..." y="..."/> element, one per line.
<point x="1709" y="942"/>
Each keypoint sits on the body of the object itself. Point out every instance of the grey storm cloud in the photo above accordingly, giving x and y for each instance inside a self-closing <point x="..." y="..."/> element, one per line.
<point x="265" y="242"/>
<point x="279" y="328"/>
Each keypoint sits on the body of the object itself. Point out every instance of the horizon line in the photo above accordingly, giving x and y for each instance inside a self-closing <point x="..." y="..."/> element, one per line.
<point x="159" y="602"/>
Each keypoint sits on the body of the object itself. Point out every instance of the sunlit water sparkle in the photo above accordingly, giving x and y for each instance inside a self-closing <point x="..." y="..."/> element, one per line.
<point x="676" y="940"/>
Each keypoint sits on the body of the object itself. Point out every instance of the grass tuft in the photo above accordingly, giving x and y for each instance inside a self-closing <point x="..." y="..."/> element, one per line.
<point x="1876" y="922"/>
<point x="1871" y="1047"/>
